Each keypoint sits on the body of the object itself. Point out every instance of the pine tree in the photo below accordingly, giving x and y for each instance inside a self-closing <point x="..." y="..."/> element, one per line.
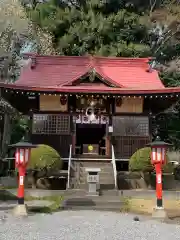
<point x="92" y="27"/>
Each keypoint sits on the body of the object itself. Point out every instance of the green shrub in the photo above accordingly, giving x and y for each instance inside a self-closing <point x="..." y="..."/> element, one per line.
<point x="140" y="161"/>
<point x="44" y="157"/>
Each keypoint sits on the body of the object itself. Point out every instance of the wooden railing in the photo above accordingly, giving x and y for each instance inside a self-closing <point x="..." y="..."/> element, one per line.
<point x="69" y="167"/>
<point x="114" y="167"/>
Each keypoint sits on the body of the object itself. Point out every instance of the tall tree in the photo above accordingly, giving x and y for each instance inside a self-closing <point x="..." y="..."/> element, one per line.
<point x="92" y="26"/>
<point x="16" y="30"/>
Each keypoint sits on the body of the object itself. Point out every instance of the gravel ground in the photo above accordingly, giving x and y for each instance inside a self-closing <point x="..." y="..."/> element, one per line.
<point x="85" y="225"/>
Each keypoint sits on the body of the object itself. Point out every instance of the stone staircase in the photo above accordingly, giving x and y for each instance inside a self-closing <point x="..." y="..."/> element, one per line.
<point x="79" y="175"/>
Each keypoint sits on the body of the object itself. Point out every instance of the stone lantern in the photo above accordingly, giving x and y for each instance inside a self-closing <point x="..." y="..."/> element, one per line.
<point x="158" y="159"/>
<point x="22" y="157"/>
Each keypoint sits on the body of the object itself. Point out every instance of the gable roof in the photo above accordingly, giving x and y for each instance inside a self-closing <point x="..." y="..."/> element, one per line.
<point x="60" y="71"/>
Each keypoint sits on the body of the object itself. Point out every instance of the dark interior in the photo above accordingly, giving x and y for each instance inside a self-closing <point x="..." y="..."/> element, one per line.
<point x="90" y="134"/>
<point x="122" y="166"/>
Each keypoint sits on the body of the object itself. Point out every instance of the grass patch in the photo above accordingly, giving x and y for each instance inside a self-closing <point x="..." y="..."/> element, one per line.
<point x="125" y="207"/>
<point x="8" y="187"/>
<point x="54" y="207"/>
<point x="146" y="206"/>
<point x="6" y="195"/>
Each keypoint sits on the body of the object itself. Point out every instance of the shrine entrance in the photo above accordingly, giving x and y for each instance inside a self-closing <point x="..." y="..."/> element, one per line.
<point x="92" y="134"/>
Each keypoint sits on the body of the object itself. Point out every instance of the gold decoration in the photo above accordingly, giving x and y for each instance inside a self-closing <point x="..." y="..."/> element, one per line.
<point x="90" y="148"/>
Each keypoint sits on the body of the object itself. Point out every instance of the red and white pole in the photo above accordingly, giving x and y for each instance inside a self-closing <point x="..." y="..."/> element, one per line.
<point x="21" y="184"/>
<point x="159" y="185"/>
<point x="22" y="158"/>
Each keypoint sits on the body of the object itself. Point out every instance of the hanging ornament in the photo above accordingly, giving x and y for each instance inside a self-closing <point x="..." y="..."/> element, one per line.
<point x="119" y="102"/>
<point x="83" y="100"/>
<point x="63" y="100"/>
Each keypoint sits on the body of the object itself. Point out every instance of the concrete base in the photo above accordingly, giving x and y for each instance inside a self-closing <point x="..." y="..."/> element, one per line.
<point x="93" y="194"/>
<point x="159" y="213"/>
<point x="20" y="210"/>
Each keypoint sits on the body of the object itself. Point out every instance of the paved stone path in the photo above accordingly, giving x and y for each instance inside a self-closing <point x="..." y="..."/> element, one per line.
<point x="126" y="193"/>
<point x="85" y="225"/>
<point x="8" y="205"/>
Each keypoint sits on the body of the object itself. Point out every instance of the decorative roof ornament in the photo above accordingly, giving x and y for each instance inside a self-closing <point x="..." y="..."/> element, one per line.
<point x="92" y="75"/>
<point x="152" y="65"/>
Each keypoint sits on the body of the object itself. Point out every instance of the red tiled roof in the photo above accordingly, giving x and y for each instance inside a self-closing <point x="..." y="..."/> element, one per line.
<point x="58" y="71"/>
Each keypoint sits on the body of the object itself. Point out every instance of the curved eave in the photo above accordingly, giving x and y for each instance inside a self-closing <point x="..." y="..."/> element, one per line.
<point x="82" y="89"/>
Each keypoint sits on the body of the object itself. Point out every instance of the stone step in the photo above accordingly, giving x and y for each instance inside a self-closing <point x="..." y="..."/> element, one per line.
<point x="104" y="180"/>
<point x="83" y="157"/>
<point x="107" y="186"/>
<point x="101" y="177"/>
<point x="101" y="173"/>
<point x="80" y="176"/>
<point x="100" y="165"/>
<point x="94" y="165"/>
<point x="111" y="208"/>
<point x="93" y="203"/>
<point x="111" y="192"/>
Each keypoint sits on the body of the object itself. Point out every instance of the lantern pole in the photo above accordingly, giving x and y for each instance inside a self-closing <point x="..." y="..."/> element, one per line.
<point x="158" y="158"/>
<point x="158" y="169"/>
<point x="22" y="157"/>
<point x="21" y="177"/>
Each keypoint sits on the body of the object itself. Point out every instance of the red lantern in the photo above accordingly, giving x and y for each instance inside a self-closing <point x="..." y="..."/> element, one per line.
<point x="158" y="154"/>
<point x="63" y="100"/>
<point x="22" y="157"/>
<point x="119" y="102"/>
<point x="158" y="158"/>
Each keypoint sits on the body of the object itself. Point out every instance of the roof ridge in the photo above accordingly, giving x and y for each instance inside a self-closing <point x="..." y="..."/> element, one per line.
<point x="124" y="58"/>
<point x="58" y="59"/>
<point x="123" y="62"/>
<point x="89" y="57"/>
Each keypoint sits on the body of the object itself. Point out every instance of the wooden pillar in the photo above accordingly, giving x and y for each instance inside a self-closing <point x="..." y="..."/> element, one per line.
<point x="73" y="133"/>
<point x="73" y="143"/>
<point x="108" y="146"/>
<point x="30" y="124"/>
<point x="109" y="135"/>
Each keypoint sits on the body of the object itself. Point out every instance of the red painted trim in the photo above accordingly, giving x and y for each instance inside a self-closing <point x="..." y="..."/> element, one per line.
<point x="21" y="182"/>
<point x="158" y="181"/>
<point x="98" y="72"/>
<point x="81" y="75"/>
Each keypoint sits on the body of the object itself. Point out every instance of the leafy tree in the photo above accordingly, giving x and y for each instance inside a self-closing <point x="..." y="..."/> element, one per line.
<point x="16" y="30"/>
<point x="19" y="129"/>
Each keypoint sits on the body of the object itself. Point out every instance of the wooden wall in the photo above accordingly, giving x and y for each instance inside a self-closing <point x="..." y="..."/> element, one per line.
<point x="130" y="105"/>
<point x="126" y="146"/>
<point x="59" y="142"/>
<point x="51" y="103"/>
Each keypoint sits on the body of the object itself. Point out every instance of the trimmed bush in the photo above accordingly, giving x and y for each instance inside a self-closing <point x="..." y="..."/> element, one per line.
<point x="141" y="162"/>
<point x="44" y="157"/>
<point x="44" y="160"/>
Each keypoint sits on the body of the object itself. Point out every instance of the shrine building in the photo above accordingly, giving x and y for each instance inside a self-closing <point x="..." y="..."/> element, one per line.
<point x="95" y="111"/>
